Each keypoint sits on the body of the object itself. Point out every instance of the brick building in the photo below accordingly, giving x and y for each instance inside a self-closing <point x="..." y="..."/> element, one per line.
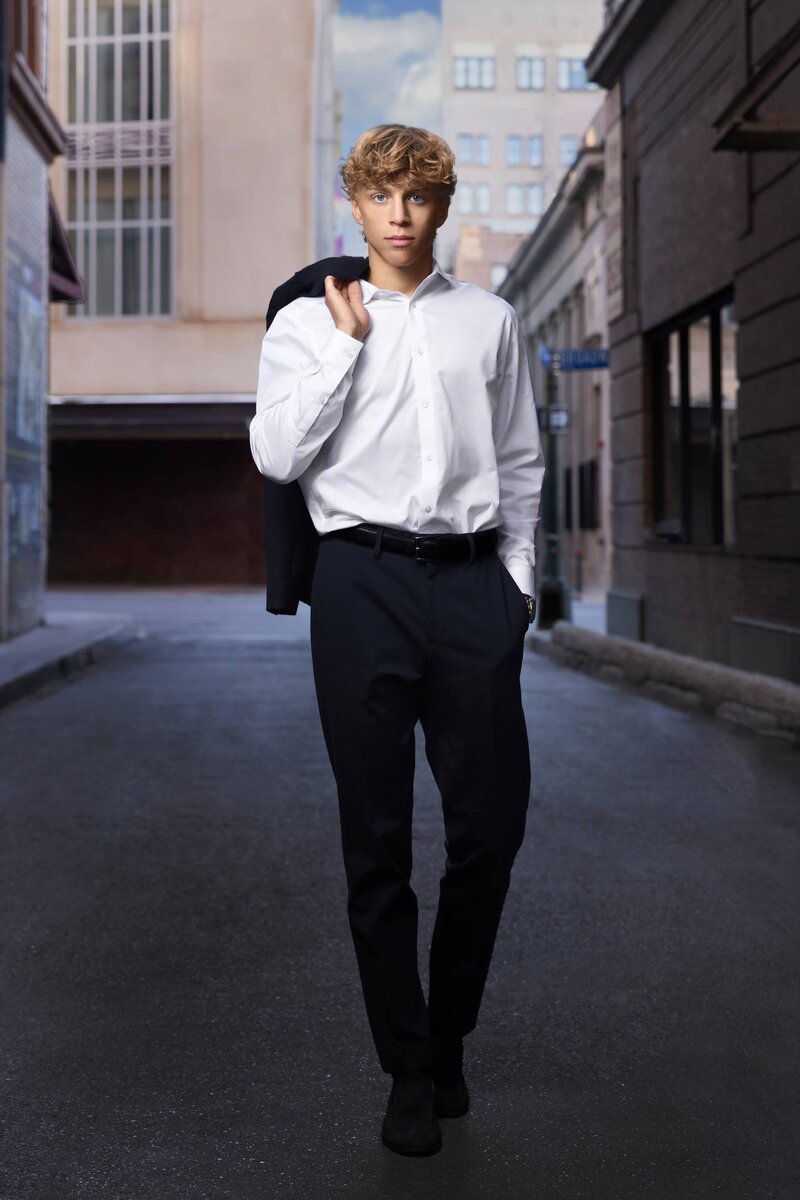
<point x="703" y="221"/>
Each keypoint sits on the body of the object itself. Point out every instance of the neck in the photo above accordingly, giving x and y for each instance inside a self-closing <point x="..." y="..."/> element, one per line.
<point x="405" y="279"/>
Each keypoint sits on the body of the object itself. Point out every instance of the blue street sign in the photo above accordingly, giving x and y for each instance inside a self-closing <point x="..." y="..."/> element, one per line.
<point x="573" y="360"/>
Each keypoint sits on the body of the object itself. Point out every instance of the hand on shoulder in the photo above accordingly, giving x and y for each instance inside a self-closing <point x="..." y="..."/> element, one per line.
<point x="346" y="305"/>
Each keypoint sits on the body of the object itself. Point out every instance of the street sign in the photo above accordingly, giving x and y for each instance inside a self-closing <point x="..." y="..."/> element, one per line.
<point x="573" y="359"/>
<point x="553" y="418"/>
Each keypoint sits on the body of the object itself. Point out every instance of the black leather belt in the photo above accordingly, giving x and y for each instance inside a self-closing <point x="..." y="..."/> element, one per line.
<point x="419" y="545"/>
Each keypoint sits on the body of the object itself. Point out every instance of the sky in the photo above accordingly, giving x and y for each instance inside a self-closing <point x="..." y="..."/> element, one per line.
<point x="386" y="66"/>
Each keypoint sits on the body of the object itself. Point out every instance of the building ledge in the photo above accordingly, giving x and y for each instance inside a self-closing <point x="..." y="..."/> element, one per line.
<point x="741" y="127"/>
<point x="203" y="415"/>
<point x="627" y="23"/>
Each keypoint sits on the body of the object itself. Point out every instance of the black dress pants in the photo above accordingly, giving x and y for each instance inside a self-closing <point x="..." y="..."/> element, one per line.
<point x="395" y="640"/>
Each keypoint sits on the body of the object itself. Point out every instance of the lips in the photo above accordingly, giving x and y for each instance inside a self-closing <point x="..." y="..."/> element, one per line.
<point x="399" y="241"/>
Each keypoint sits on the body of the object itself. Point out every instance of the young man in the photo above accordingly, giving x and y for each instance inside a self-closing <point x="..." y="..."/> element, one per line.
<point x="402" y="404"/>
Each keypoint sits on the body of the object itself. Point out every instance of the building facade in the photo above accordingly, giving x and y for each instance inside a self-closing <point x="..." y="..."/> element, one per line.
<point x="703" y="218"/>
<point x="36" y="267"/>
<point x="557" y="283"/>
<point x="191" y="188"/>
<point x="515" y="101"/>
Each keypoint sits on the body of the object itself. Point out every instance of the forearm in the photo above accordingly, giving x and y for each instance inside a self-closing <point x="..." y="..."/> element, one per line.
<point x="294" y="417"/>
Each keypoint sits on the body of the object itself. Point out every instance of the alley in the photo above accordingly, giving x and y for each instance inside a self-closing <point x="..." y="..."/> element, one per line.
<point x="181" y="1015"/>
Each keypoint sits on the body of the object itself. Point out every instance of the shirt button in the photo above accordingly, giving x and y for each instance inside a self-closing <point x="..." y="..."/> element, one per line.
<point x="420" y="350"/>
<point x="427" y="508"/>
<point x="430" y="458"/>
<point x="350" y="353"/>
<point x="324" y="398"/>
<point x="424" y="403"/>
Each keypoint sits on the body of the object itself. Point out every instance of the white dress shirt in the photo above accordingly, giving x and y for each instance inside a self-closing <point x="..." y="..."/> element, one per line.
<point x="428" y="425"/>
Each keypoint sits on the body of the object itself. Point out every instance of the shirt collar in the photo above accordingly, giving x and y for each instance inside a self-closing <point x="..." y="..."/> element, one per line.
<point x="437" y="278"/>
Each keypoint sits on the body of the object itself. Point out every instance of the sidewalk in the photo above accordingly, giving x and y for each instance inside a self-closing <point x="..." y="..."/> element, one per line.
<point x="763" y="704"/>
<point x="67" y="642"/>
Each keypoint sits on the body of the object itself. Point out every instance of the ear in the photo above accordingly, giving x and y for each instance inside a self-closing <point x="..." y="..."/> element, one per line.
<point x="356" y="211"/>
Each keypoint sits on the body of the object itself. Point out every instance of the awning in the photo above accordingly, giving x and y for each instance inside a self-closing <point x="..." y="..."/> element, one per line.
<point x="66" y="283"/>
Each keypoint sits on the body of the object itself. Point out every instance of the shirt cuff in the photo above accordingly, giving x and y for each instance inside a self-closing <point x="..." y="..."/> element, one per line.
<point x="522" y="574"/>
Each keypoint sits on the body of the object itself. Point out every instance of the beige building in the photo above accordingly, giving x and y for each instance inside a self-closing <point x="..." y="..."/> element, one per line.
<point x="557" y="283"/>
<point x="190" y="188"/>
<point x="515" y="101"/>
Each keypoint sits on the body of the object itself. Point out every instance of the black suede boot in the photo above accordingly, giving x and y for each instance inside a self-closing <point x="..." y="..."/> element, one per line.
<point x="410" y="1125"/>
<point x="451" y="1096"/>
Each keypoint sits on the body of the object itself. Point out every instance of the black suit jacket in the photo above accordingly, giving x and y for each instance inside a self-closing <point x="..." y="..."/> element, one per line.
<point x="292" y="540"/>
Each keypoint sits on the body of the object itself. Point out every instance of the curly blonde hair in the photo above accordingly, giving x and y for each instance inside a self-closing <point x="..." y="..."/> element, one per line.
<point x="390" y="153"/>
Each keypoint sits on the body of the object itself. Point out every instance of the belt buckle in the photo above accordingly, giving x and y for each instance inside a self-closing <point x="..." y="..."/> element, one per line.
<point x="417" y="538"/>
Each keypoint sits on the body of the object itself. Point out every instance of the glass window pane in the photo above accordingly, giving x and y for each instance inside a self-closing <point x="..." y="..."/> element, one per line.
<point x="164" y="80"/>
<point x="72" y="195"/>
<point x="514" y="199"/>
<point x="166" y="193"/>
<point x="523" y="72"/>
<point x="131" y="295"/>
<point x="473" y="72"/>
<point x="131" y="90"/>
<point x="72" y="84"/>
<point x="487" y="72"/>
<point x="730" y="404"/>
<point x="105" y="194"/>
<point x="72" y="18"/>
<point x="105" y="18"/>
<point x="464" y="147"/>
<point x="464" y="194"/>
<point x="166" y="270"/>
<point x="131" y="193"/>
<point x="484" y="199"/>
<point x="83" y="60"/>
<point x="537" y="74"/>
<point x="105" y="81"/>
<point x="483" y="149"/>
<point x="670" y="426"/>
<point x="105" y="273"/>
<point x="459" y="72"/>
<point x="150" y="252"/>
<point x="535" y="151"/>
<point x="563" y="74"/>
<point x="131" y="22"/>
<point x="700" y="432"/>
<point x="165" y="15"/>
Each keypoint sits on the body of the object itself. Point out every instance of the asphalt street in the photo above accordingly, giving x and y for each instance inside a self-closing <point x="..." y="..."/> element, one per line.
<point x="180" y="1014"/>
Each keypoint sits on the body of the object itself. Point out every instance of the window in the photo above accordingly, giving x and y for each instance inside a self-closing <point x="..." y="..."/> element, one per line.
<point x="26" y="33"/>
<point x="473" y="72"/>
<point x="530" y="74"/>
<point x="535" y="151"/>
<point x="464" y="193"/>
<point x="567" y="151"/>
<point x="120" y="154"/>
<point x="535" y="199"/>
<point x="483" y="196"/>
<point x="571" y="75"/>
<point x="513" y="150"/>
<point x="515" y="199"/>
<point x="695" y="387"/>
<point x="473" y="148"/>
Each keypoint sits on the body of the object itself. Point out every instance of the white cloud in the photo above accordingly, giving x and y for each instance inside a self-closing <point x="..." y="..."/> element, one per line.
<point x="387" y="69"/>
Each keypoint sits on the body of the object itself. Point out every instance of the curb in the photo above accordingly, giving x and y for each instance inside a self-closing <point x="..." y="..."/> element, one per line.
<point x="761" y="703"/>
<point x="63" y="666"/>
